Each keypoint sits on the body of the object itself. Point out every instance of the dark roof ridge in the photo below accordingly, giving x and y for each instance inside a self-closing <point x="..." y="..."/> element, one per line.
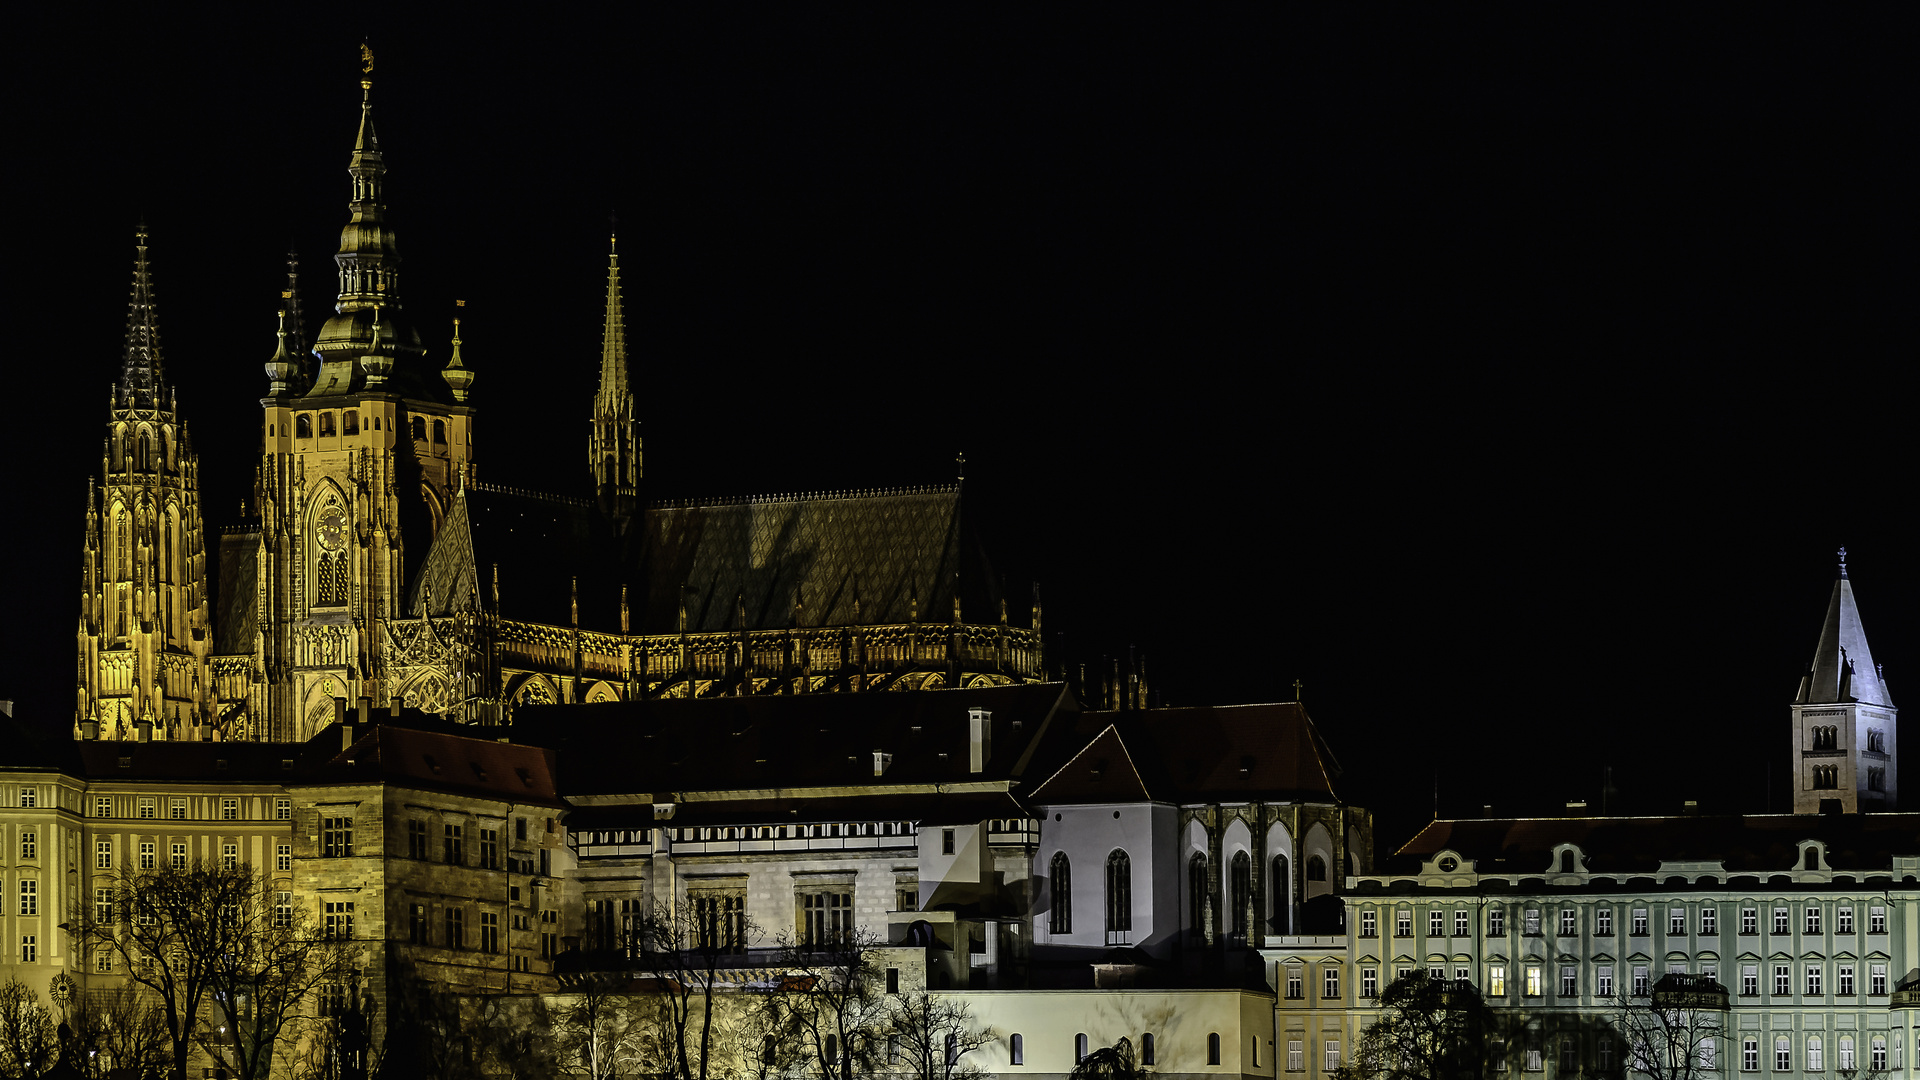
<point x="805" y="496"/>
<point x="528" y="493"/>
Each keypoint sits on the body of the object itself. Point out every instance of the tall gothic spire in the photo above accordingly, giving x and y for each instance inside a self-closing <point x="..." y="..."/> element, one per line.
<point x="142" y="379"/>
<point x="613" y="452"/>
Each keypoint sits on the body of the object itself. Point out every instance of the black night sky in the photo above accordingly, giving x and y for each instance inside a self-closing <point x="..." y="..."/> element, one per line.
<point x="1509" y="379"/>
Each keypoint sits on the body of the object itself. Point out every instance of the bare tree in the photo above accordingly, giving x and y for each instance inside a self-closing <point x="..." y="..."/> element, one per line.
<point x="1114" y="1062"/>
<point x="599" y="1033"/>
<point x="227" y="965"/>
<point x="28" y="1044"/>
<point x="116" y="1032"/>
<point x="687" y="953"/>
<point x="1429" y="1029"/>
<point x="935" y="1034"/>
<point x="828" y="1001"/>
<point x="1675" y="1033"/>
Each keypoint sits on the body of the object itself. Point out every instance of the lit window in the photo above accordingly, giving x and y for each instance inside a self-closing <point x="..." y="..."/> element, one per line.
<point x="1534" y="980"/>
<point x="1497" y="980"/>
<point x="1532" y="925"/>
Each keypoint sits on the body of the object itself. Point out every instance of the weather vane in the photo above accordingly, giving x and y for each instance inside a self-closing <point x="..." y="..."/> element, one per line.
<point x="366" y="59"/>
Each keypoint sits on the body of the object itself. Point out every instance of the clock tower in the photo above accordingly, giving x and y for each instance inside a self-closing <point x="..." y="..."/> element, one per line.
<point x="365" y="442"/>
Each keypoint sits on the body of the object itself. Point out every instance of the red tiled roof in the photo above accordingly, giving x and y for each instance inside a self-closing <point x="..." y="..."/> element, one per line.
<point x="437" y="761"/>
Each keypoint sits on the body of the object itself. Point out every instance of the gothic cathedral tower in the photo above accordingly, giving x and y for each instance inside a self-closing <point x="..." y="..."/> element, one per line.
<point x="360" y="460"/>
<point x="144" y="631"/>
<point x="1843" y="719"/>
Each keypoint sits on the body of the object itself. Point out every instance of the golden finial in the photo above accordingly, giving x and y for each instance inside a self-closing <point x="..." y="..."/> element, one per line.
<point x="366" y="59"/>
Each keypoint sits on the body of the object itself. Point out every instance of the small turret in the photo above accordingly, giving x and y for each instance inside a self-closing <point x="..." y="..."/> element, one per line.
<point x="458" y="376"/>
<point x="282" y="370"/>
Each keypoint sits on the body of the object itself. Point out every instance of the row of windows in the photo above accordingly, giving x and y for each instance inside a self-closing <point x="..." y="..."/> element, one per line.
<point x="1828" y="738"/>
<point x="1533" y="982"/>
<point x="1813" y="920"/>
<point x="180" y="808"/>
<point x="1119" y="894"/>
<point x="453" y="844"/>
<point x="303" y="426"/>
<point x="453" y="933"/>
<point x="783" y="832"/>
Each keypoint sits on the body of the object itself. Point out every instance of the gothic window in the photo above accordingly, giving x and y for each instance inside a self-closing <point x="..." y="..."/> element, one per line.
<point x="1278" y="889"/>
<point x="440" y="432"/>
<point x="1826" y="777"/>
<point x="326" y="424"/>
<point x="1242" y="892"/>
<point x="1060" y="917"/>
<point x="1197" y="891"/>
<point x="420" y="428"/>
<point x="1876" y="778"/>
<point x="350" y="423"/>
<point x="1316" y="868"/>
<point x="141" y="461"/>
<point x="1119" y="893"/>
<point x="165" y="446"/>
<point x="303" y="426"/>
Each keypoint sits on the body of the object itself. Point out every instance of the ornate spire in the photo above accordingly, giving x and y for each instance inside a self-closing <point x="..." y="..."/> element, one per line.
<point x="613" y="450"/>
<point x="281" y="370"/>
<point x="142" y="380"/>
<point x="1843" y="563"/>
<point x="296" y="326"/>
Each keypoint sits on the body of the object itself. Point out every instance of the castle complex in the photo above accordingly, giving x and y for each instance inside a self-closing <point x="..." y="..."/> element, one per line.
<point x="478" y="732"/>
<point x="379" y="565"/>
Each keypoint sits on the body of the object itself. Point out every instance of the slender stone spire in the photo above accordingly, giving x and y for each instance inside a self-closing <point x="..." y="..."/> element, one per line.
<point x="613" y="450"/>
<point x="457" y="374"/>
<point x="142" y="379"/>
<point x="296" y="326"/>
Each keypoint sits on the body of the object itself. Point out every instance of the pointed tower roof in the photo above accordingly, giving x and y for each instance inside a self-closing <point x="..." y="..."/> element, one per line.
<point x="613" y="338"/>
<point x="141" y="374"/>
<point x="1842" y="668"/>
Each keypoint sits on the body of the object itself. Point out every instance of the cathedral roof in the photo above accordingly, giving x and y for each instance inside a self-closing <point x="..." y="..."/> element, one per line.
<point x="235" y="596"/>
<point x="1842" y="668"/>
<point x="1751" y="844"/>
<point x="888" y="550"/>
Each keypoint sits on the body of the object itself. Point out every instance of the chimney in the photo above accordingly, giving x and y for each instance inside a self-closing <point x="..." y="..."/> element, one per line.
<point x="881" y="761"/>
<point x="979" y="738"/>
<point x="340" y="718"/>
<point x="145" y="727"/>
<point x="1486" y="810"/>
<point x="393" y="706"/>
<point x="1578" y="807"/>
<point x="363" y="707"/>
<point x="1690" y="807"/>
<point x="89" y="729"/>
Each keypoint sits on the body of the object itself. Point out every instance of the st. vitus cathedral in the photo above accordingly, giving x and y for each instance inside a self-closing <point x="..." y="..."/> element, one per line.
<point x="379" y="565"/>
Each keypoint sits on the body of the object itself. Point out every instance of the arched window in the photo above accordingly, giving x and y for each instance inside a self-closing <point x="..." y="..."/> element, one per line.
<point x="141" y="462"/>
<point x="350" y="423"/>
<point x="165" y="446"/>
<point x="420" y="428"/>
<point x="1241" y="875"/>
<point x="326" y="424"/>
<point x="1197" y="891"/>
<point x="303" y="426"/>
<point x="1213" y="1048"/>
<point x="1119" y="892"/>
<point x="1813" y="858"/>
<point x="1317" y="868"/>
<point x="1079" y="1048"/>
<point x="1146" y="1048"/>
<point x="1016" y="1049"/>
<point x="1280" y="888"/>
<point x="1060" y="917"/>
<point x="440" y="432"/>
<point x="1566" y="862"/>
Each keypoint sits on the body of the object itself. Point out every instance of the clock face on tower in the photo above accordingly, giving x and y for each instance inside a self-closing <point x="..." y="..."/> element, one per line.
<point x="333" y="529"/>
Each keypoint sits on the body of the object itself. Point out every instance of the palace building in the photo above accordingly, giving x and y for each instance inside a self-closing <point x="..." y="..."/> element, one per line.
<point x="378" y="563"/>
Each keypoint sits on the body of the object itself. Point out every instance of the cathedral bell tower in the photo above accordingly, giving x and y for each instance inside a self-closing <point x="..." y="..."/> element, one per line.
<point x="613" y="449"/>
<point x="143" y="636"/>
<point x="360" y="460"/>
<point x="1843" y="719"/>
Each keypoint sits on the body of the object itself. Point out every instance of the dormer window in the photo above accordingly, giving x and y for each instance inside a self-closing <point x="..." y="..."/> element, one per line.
<point x="350" y="423"/>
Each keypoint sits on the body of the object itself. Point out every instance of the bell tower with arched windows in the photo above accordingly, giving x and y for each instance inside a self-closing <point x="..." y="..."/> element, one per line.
<point x="361" y="460"/>
<point x="144" y="629"/>
<point x="1843" y="718"/>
